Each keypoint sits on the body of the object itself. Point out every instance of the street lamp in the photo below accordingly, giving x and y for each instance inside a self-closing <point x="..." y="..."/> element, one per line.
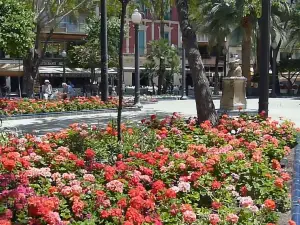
<point x="64" y="55"/>
<point x="183" y="91"/>
<point x="104" y="50"/>
<point x="225" y="51"/>
<point x="137" y="19"/>
<point x="274" y="46"/>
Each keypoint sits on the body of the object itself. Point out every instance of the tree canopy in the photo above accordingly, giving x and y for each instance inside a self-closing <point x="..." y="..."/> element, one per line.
<point x="162" y="52"/>
<point x="16" y="27"/>
<point x="88" y="55"/>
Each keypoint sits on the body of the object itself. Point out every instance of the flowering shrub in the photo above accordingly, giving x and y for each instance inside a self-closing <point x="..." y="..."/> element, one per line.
<point x="170" y="172"/>
<point x="10" y="107"/>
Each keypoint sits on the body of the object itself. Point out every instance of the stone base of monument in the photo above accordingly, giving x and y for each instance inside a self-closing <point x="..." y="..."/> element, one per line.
<point x="234" y="94"/>
<point x="236" y="113"/>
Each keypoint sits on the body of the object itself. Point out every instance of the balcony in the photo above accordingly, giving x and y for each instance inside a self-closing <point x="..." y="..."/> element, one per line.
<point x="68" y="28"/>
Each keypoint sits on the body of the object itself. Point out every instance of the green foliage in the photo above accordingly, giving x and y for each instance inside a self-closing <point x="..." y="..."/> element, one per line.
<point x="289" y="65"/>
<point x="16" y="27"/>
<point x="161" y="51"/>
<point x="88" y="55"/>
<point x="294" y="27"/>
<point x="51" y="12"/>
<point x="289" y="69"/>
<point x="158" y="8"/>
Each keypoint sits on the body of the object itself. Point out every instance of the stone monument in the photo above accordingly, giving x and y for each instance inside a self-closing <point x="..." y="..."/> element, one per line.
<point x="234" y="89"/>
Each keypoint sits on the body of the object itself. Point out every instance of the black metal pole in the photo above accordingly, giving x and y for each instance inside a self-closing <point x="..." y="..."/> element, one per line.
<point x="225" y="64"/>
<point x="183" y="91"/>
<point x="265" y="56"/>
<point x="137" y="68"/>
<point x="64" y="70"/>
<point x="121" y="70"/>
<point x="274" y="74"/>
<point x="104" y="63"/>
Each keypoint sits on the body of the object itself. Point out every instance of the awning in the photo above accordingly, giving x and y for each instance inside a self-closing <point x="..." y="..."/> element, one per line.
<point x="12" y="70"/>
<point x="47" y="71"/>
<point x="57" y="71"/>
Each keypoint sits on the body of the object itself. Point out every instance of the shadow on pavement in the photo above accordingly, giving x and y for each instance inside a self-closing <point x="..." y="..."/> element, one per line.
<point x="45" y="125"/>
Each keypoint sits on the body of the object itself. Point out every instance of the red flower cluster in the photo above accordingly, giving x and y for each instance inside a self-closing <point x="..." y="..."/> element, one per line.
<point x="212" y="168"/>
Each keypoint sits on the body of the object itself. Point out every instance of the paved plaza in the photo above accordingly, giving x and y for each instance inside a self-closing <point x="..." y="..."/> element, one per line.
<point x="288" y="108"/>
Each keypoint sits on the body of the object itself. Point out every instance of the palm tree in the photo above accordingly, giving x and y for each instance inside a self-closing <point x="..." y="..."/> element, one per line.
<point x="281" y="18"/>
<point x="243" y="15"/>
<point x="158" y="10"/>
<point x="293" y="25"/>
<point x="217" y="28"/>
<point x="166" y="55"/>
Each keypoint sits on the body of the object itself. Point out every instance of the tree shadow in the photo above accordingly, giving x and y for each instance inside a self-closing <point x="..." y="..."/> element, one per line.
<point x="41" y="126"/>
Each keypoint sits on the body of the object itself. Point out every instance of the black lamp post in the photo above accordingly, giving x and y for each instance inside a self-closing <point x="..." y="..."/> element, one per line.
<point x="274" y="46"/>
<point x="225" y="51"/>
<point x="104" y="50"/>
<point x="64" y="55"/>
<point x="265" y="56"/>
<point x="136" y="19"/>
<point x="183" y="91"/>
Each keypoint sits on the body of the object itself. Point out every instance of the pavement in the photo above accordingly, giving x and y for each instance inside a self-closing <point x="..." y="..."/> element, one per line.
<point x="288" y="108"/>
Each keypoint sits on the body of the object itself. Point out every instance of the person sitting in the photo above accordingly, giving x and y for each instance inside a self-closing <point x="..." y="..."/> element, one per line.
<point x="47" y="91"/>
<point x="68" y="91"/>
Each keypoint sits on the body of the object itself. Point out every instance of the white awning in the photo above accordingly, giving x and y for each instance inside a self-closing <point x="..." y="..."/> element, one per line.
<point x="60" y="70"/>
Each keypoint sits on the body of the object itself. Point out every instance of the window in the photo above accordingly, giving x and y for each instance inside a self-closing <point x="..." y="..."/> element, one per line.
<point x="167" y="36"/>
<point x="141" y="42"/>
<point x="168" y="14"/>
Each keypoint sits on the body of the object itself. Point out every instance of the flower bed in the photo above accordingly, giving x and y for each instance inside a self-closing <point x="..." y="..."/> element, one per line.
<point x="32" y="106"/>
<point x="164" y="172"/>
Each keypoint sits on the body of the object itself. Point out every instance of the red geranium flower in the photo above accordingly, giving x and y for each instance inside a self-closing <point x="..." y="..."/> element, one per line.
<point x="170" y="193"/>
<point x="216" y="185"/>
<point x="270" y="204"/>
<point x="158" y="186"/>
<point x="90" y="154"/>
<point x="244" y="191"/>
<point x="153" y="117"/>
<point x="216" y="205"/>
<point x="291" y="222"/>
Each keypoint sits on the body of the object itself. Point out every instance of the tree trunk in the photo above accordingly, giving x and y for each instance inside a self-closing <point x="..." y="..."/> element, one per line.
<point x="153" y="86"/>
<point x="29" y="75"/>
<point x="290" y="86"/>
<point x="216" y="84"/>
<point x="33" y="60"/>
<point x="161" y="72"/>
<point x="257" y="54"/>
<point x="246" y="49"/>
<point x="204" y="103"/>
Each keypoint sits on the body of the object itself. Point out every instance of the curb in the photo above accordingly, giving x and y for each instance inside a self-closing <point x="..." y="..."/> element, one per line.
<point x="68" y="113"/>
<point x="296" y="185"/>
<point x="251" y="112"/>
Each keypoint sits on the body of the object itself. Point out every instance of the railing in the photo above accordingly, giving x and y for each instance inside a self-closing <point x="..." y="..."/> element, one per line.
<point x="69" y="28"/>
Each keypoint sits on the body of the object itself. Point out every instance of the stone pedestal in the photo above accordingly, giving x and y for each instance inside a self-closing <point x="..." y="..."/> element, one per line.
<point x="234" y="93"/>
